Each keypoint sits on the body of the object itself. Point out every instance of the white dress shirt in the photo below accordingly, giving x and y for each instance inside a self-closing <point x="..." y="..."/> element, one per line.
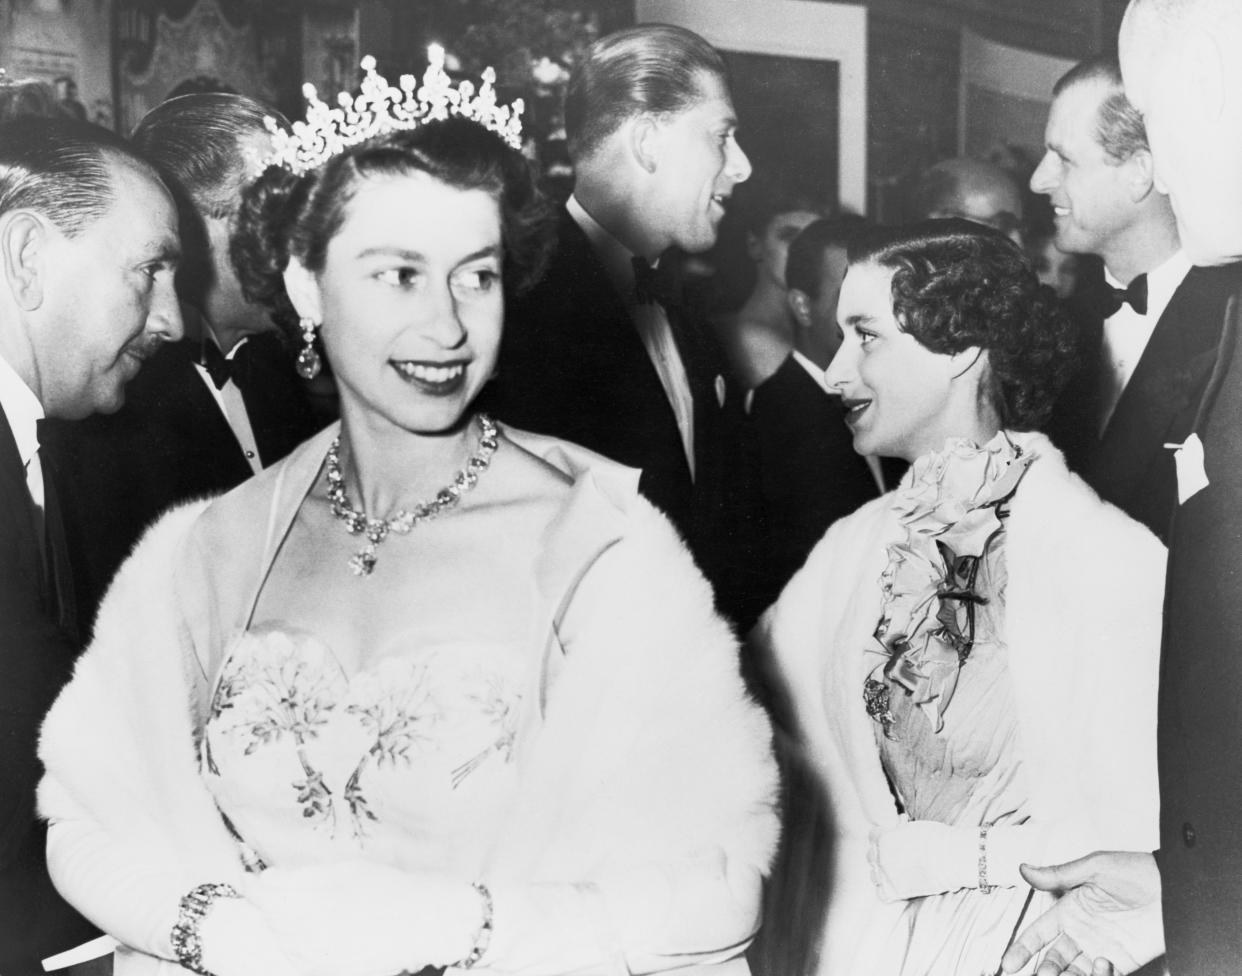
<point x="229" y="399"/>
<point x="23" y="412"/>
<point x="651" y="321"/>
<point x="1126" y="333"/>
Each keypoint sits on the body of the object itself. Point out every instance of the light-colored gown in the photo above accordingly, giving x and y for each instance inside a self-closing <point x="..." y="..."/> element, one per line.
<point x="967" y="774"/>
<point x="1027" y="741"/>
<point x="596" y="762"/>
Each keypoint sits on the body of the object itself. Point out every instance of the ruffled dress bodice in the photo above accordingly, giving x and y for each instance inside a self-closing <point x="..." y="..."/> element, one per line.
<point x="968" y="773"/>
<point x="409" y="761"/>
<point x="950" y="743"/>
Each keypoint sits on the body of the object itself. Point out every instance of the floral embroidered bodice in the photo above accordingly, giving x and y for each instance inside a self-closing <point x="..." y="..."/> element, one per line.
<point x="409" y="760"/>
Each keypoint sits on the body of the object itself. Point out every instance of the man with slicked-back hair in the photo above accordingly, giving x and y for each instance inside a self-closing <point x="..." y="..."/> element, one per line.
<point x="604" y="351"/>
<point x="88" y="250"/>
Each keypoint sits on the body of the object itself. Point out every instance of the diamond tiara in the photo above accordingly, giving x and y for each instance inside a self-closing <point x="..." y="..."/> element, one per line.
<point x="380" y="108"/>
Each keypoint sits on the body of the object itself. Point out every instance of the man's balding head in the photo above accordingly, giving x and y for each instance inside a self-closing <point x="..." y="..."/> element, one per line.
<point x="973" y="189"/>
<point x="1181" y="69"/>
<point x="62" y="169"/>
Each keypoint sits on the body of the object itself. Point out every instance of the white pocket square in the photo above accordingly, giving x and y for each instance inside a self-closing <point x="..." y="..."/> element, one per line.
<point x="1191" y="474"/>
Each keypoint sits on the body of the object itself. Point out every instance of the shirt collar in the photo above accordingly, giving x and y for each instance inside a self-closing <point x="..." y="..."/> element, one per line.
<point x="614" y="255"/>
<point x="818" y="374"/>
<point x="22" y="410"/>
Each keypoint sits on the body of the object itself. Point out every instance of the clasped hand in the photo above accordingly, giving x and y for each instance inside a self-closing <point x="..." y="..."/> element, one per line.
<point x="357" y="918"/>
<point x="1108" y="920"/>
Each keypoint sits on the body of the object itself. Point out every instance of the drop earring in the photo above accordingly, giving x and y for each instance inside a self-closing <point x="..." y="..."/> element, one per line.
<point x="308" y="364"/>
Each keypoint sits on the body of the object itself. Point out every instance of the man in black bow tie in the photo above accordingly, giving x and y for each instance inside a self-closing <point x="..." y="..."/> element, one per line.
<point x="605" y="351"/>
<point x="1152" y="320"/>
<point x="88" y="248"/>
<point x="213" y="409"/>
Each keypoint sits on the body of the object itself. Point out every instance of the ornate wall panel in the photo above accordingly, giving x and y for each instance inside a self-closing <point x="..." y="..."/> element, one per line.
<point x="201" y="46"/>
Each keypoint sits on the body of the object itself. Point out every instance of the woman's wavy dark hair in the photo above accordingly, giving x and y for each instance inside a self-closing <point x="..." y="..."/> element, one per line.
<point x="283" y="215"/>
<point x="958" y="284"/>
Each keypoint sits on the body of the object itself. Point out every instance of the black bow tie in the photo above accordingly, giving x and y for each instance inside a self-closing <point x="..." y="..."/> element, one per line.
<point x="1110" y="299"/>
<point x="220" y="369"/>
<point x="655" y="285"/>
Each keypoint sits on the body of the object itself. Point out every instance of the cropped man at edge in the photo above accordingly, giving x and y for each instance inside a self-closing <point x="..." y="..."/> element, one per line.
<point x="88" y="250"/>
<point x="1151" y="325"/>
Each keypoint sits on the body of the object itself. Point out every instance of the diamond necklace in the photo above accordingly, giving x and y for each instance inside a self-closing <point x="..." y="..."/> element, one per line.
<point x="376" y="530"/>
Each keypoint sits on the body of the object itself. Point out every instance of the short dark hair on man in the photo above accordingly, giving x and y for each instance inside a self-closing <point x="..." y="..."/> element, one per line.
<point x="1119" y="127"/>
<point x="61" y="169"/>
<point x="804" y="265"/>
<point x="958" y="284"/>
<point x="194" y="140"/>
<point x="654" y="68"/>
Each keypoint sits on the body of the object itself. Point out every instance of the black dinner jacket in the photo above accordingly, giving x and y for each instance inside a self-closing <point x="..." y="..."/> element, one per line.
<point x="1200" y="714"/>
<point x="809" y="473"/>
<point x="572" y="365"/>
<point x="170" y="442"/>
<point x="37" y="649"/>
<point x="1129" y="465"/>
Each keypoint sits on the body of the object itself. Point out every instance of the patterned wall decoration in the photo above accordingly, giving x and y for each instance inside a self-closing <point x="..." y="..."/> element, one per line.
<point x="201" y="47"/>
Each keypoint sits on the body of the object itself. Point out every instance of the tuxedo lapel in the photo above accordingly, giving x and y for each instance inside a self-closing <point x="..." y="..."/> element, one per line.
<point x="617" y="364"/>
<point x="186" y="404"/>
<point x="1166" y="381"/>
<point x="60" y="584"/>
<point x="277" y="407"/>
<point x="16" y="501"/>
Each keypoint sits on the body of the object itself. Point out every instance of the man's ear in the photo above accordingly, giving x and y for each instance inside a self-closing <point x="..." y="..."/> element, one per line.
<point x="644" y="139"/>
<point x="303" y="289"/>
<point x="800" y="305"/>
<point x="1142" y="175"/>
<point x="24" y="239"/>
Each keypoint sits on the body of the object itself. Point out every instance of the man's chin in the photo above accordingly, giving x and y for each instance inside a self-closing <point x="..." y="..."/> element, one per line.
<point x="108" y="401"/>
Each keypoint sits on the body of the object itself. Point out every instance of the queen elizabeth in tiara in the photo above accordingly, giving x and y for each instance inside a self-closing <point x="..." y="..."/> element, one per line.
<point x="432" y="692"/>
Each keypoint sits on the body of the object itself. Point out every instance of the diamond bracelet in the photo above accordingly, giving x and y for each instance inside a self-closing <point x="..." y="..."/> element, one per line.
<point x="194" y="908"/>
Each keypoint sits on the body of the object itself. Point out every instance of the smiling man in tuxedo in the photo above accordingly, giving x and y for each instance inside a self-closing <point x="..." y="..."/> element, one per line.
<point x="88" y="251"/>
<point x="1151" y="324"/>
<point x="604" y="350"/>
<point x="1122" y="908"/>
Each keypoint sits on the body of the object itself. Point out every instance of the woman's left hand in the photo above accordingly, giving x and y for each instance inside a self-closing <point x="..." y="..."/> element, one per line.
<point x="357" y="918"/>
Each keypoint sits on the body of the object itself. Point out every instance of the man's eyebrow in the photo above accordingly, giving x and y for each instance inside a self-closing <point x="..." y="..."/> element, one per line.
<point x="169" y="251"/>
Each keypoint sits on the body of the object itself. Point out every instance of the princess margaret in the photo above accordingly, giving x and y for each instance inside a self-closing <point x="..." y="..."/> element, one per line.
<point x="972" y="659"/>
<point x="431" y="692"/>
